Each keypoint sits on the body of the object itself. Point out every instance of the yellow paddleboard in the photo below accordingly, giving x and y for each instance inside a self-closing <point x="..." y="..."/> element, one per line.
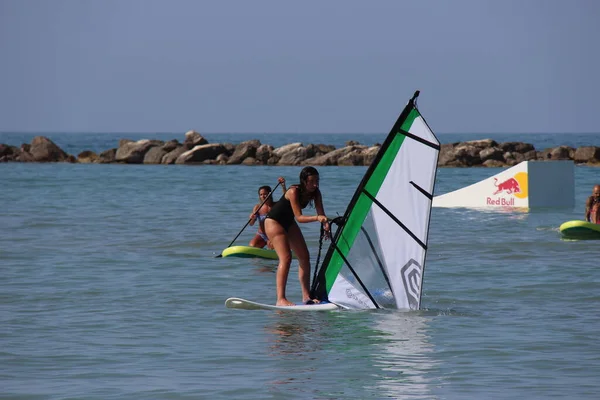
<point x="580" y="230"/>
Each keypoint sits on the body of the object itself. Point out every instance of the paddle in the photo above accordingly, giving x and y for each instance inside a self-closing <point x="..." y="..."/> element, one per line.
<point x="257" y="210"/>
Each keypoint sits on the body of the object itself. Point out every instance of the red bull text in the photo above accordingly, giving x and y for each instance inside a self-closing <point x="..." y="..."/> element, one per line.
<point x="500" y="201"/>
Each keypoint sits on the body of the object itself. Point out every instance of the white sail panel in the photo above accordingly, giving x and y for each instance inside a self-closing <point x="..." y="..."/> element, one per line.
<point x="420" y="128"/>
<point x="400" y="196"/>
<point x="346" y="295"/>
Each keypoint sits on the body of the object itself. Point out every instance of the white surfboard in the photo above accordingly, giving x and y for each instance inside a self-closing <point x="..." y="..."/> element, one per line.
<point x="242" y="304"/>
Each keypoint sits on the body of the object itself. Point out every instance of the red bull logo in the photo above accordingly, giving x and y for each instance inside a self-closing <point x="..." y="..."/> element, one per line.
<point x="506" y="191"/>
<point x="509" y="186"/>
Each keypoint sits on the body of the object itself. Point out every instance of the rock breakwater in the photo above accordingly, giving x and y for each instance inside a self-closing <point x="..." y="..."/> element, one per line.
<point x="196" y="150"/>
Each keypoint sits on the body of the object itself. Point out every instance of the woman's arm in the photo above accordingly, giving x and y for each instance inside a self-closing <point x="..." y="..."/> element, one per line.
<point x="282" y="181"/>
<point x="588" y="208"/>
<point x="321" y="210"/>
<point x="253" y="215"/>
<point x="294" y="197"/>
<point x="319" y="203"/>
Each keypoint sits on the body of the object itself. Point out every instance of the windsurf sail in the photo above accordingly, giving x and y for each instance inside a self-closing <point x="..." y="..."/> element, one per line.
<point x="376" y="257"/>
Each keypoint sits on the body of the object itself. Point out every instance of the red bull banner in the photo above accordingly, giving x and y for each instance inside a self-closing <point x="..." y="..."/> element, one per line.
<point x="527" y="185"/>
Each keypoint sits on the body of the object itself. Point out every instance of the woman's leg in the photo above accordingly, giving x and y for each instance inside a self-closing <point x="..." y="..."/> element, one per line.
<point x="279" y="240"/>
<point x="257" y="241"/>
<point x="298" y="245"/>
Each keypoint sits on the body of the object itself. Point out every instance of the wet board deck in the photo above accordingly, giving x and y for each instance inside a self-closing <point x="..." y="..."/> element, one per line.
<point x="242" y="304"/>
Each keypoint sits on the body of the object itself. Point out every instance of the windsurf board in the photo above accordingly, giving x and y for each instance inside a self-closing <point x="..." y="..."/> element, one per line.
<point x="243" y="304"/>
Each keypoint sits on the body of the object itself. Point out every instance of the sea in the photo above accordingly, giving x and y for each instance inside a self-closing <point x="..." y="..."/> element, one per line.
<point x="110" y="288"/>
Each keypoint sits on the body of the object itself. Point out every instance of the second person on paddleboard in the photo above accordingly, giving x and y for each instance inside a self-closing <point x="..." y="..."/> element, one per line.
<point x="282" y="229"/>
<point x="592" y="206"/>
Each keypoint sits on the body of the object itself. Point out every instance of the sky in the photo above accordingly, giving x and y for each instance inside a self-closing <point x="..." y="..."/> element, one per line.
<point x="327" y="66"/>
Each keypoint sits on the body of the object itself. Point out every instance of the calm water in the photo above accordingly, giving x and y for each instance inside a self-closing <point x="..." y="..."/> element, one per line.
<point x="110" y="289"/>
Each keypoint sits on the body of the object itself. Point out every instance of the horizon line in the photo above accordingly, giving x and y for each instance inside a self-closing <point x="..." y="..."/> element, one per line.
<point x="294" y="133"/>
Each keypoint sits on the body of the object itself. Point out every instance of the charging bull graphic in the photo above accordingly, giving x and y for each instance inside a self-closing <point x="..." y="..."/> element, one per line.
<point x="510" y="186"/>
<point x="508" y="191"/>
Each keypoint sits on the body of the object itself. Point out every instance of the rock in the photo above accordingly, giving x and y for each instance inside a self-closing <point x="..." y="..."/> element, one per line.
<point x="222" y="159"/>
<point x="107" y="156"/>
<point x="447" y="155"/>
<point x="230" y="147"/>
<point x="297" y="155"/>
<point x="263" y="153"/>
<point x="330" y="158"/>
<point x="370" y="154"/>
<point x="201" y="153"/>
<point x="481" y="143"/>
<point x="171" y="145"/>
<point x="491" y="153"/>
<point x="133" y="152"/>
<point x="587" y="154"/>
<point x="9" y="153"/>
<point x="557" y="153"/>
<point x="518" y="147"/>
<point x="467" y="154"/>
<point x="193" y="139"/>
<point x="280" y="151"/>
<point x="244" y="150"/>
<point x="172" y="156"/>
<point x="530" y="155"/>
<point x="562" y="153"/>
<point x="154" y="155"/>
<point x="6" y="150"/>
<point x="43" y="149"/>
<point x="493" y="163"/>
<point x="249" y="161"/>
<point x="24" y="156"/>
<point x="325" y="148"/>
<point x="87" y="157"/>
<point x="513" y="158"/>
<point x="352" y="158"/>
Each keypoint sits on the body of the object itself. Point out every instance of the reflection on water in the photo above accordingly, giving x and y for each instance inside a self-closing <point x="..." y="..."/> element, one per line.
<point x="389" y="350"/>
<point x="293" y="337"/>
<point x="261" y="265"/>
<point x="403" y="356"/>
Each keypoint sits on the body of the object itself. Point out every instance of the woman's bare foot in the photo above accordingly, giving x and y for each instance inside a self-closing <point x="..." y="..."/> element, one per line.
<point x="311" y="301"/>
<point x="284" y="302"/>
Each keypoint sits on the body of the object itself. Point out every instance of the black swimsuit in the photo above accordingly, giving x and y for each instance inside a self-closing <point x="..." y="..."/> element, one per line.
<point x="282" y="212"/>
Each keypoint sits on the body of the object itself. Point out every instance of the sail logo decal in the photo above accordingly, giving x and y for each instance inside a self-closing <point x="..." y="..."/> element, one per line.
<point x="354" y="296"/>
<point x="411" y="278"/>
<point x="505" y="192"/>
